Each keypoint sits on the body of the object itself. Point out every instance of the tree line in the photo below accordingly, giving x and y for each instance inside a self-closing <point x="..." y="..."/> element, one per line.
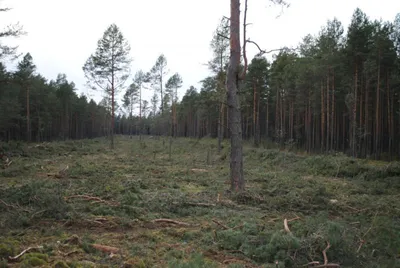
<point x="337" y="91"/>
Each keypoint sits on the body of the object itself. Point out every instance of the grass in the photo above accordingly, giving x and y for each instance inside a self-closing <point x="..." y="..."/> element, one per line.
<point x="112" y="198"/>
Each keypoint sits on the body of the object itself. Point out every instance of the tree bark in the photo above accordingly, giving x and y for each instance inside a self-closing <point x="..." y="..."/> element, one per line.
<point x="112" y="112"/>
<point x="236" y="156"/>
<point x="28" y="116"/>
<point x="377" y="125"/>
<point x="220" y="127"/>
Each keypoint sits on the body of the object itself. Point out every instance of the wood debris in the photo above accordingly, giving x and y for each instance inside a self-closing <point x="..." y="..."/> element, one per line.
<point x="172" y="221"/>
<point x="316" y="264"/>
<point x="23" y="252"/>
<point x="94" y="200"/>
<point x="106" y="249"/>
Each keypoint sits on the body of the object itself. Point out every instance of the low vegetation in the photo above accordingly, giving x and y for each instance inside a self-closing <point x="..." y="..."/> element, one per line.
<point x="78" y="204"/>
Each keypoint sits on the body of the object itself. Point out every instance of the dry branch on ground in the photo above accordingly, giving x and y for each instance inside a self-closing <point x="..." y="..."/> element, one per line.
<point x="172" y="221"/>
<point x="23" y="252"/>
<point x="94" y="200"/>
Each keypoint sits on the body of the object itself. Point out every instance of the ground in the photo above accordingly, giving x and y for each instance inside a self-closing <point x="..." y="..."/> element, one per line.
<point x="152" y="204"/>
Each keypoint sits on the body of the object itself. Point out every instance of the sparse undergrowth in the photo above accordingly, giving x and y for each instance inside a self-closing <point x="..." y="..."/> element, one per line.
<point x="86" y="206"/>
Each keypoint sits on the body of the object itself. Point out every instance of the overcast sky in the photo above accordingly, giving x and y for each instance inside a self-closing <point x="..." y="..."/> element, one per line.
<point x="62" y="34"/>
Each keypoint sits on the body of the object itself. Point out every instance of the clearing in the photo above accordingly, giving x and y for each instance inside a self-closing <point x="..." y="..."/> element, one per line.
<point x="78" y="204"/>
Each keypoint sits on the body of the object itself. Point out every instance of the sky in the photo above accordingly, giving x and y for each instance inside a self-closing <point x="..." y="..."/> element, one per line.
<point x="62" y="34"/>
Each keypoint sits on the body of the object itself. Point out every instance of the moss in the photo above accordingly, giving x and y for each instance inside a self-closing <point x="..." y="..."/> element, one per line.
<point x="61" y="264"/>
<point x="32" y="261"/>
<point x="135" y="263"/>
<point x="6" y="250"/>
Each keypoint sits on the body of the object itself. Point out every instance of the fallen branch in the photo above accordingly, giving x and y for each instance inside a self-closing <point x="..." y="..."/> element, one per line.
<point x="285" y="225"/>
<point x="74" y="239"/>
<point x="94" y="199"/>
<point x="106" y="249"/>
<point x="7" y="163"/>
<point x="328" y="245"/>
<point x="362" y="242"/>
<point x="200" y="204"/>
<point x="23" y="252"/>
<point x="172" y="221"/>
<point x="296" y="218"/>
<point x="235" y="251"/>
<point x="14" y="207"/>
<point x="68" y="253"/>
<point x="315" y="264"/>
<point x="221" y="224"/>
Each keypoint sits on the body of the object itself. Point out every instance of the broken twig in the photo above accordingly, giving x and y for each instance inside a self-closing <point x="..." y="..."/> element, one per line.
<point x="172" y="221"/>
<point x="221" y="224"/>
<point x="94" y="199"/>
<point x="106" y="249"/>
<point x="200" y="204"/>
<point x="23" y="252"/>
<point x="285" y="225"/>
<point x="315" y="264"/>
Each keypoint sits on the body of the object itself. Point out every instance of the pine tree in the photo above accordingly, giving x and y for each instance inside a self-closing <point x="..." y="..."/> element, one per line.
<point x="108" y="68"/>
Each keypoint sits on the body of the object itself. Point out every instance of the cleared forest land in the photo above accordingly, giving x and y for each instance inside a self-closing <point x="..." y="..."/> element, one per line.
<point x="78" y="204"/>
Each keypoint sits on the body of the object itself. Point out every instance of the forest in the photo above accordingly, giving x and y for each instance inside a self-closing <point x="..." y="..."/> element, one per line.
<point x="338" y="91"/>
<point x="286" y="159"/>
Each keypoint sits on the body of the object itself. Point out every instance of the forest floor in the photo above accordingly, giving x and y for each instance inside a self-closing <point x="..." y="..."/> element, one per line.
<point x="79" y="204"/>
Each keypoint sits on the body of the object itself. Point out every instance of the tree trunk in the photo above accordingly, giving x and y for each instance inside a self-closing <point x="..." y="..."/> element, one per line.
<point x="328" y="122"/>
<point x="322" y="118"/>
<point x="258" y="127"/>
<point x="112" y="112"/>
<point x="333" y="120"/>
<point x="377" y="111"/>
<point x="220" y="127"/>
<point x="354" y="117"/>
<point x="267" y="123"/>
<point x="28" y="116"/>
<point x="140" y="112"/>
<point x="256" y="142"/>
<point x="236" y="157"/>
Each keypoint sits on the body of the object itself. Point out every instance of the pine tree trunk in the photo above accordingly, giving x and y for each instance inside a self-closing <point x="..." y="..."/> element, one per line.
<point x="327" y="113"/>
<point x="112" y="112"/>
<point x="28" y="116"/>
<point x="322" y="117"/>
<point x="256" y="139"/>
<point x="377" y="126"/>
<point x="140" y="113"/>
<point x="333" y="121"/>
<point x="366" y="121"/>
<point x="258" y="127"/>
<point x="354" y="117"/>
<point x="267" y="123"/>
<point x="220" y="127"/>
<point x="236" y="157"/>
<point x="389" y="100"/>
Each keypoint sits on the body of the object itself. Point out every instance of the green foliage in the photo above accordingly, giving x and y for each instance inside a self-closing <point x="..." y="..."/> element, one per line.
<point x="194" y="261"/>
<point x="34" y="259"/>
